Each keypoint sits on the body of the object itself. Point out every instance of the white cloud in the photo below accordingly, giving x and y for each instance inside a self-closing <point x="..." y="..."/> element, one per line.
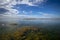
<point x="8" y="4"/>
<point x="47" y="15"/>
<point x="3" y="2"/>
<point x="30" y="2"/>
<point x="12" y="12"/>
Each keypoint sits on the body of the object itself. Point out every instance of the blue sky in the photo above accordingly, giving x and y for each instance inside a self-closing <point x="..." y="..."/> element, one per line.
<point x="30" y="8"/>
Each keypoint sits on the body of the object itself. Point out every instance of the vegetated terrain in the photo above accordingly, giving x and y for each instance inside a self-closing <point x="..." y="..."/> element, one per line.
<point x="30" y="33"/>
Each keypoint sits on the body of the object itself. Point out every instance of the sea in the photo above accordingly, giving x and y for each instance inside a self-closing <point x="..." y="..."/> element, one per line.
<point x="13" y="24"/>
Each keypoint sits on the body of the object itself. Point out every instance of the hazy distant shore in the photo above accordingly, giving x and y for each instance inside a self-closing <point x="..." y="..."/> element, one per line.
<point x="31" y="18"/>
<point x="41" y="18"/>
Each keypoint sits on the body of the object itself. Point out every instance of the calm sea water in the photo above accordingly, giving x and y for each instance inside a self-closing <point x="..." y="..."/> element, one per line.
<point x="10" y="24"/>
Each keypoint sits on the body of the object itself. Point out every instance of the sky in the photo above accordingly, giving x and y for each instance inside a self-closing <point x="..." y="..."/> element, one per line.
<point x="30" y="8"/>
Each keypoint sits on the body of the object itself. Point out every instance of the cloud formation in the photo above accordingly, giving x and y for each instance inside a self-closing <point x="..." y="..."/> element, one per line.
<point x="7" y="7"/>
<point x="8" y="4"/>
<point x="30" y="2"/>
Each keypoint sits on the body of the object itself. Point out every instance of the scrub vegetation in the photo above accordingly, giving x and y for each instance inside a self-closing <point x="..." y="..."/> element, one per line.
<point x="30" y="33"/>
